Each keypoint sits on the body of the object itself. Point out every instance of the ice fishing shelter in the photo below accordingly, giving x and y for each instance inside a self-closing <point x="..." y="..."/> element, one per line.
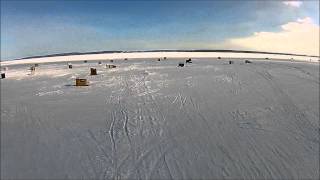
<point x="93" y="71"/>
<point x="230" y="62"/>
<point x="188" y="60"/>
<point x="110" y="66"/>
<point x="247" y="61"/>
<point x="3" y="75"/>
<point x="82" y="82"/>
<point x="99" y="62"/>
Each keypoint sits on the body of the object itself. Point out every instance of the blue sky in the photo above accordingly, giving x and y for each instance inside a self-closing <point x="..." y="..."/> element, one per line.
<point x="44" y="27"/>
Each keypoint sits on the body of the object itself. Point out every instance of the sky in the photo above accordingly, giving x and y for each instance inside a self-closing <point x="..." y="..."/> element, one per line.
<point x="30" y="28"/>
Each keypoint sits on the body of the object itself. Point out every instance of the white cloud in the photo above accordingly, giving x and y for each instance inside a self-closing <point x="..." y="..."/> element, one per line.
<point x="293" y="3"/>
<point x="300" y="37"/>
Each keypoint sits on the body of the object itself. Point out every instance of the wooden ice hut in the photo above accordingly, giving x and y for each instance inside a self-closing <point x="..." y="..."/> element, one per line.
<point x="82" y="82"/>
<point x="93" y="71"/>
<point x="110" y="66"/>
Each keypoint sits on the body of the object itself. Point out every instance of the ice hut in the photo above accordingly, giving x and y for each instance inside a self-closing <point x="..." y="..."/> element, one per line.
<point x="82" y="82"/>
<point x="99" y="62"/>
<point x="188" y="60"/>
<point x="111" y="60"/>
<point x="3" y="75"/>
<point x="230" y="62"/>
<point x="247" y="61"/>
<point x="85" y="61"/>
<point x="93" y="71"/>
<point x="181" y="64"/>
<point x="110" y="66"/>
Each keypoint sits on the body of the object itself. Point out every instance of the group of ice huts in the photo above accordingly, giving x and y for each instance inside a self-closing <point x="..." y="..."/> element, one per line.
<point x="93" y="71"/>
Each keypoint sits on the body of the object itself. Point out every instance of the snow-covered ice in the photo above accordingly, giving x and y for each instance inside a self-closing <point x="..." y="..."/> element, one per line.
<point x="149" y="119"/>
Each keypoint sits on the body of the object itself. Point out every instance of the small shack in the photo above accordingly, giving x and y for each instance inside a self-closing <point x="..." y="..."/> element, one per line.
<point x="85" y="61"/>
<point x="82" y="82"/>
<point x="247" y="61"/>
<point x="110" y="66"/>
<point x="159" y="59"/>
<point x="181" y="64"/>
<point x="93" y="71"/>
<point x="164" y="58"/>
<point x="70" y="66"/>
<point x="111" y="60"/>
<point x="3" y="75"/>
<point x="219" y="57"/>
<point x="125" y="59"/>
<point x="230" y="62"/>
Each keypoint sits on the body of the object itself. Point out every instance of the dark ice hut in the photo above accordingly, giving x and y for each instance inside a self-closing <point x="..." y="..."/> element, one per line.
<point x="93" y="71"/>
<point x="3" y="75"/>
<point x="110" y="66"/>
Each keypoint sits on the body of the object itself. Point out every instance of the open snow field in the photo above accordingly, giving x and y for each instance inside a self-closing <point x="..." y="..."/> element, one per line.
<point x="152" y="120"/>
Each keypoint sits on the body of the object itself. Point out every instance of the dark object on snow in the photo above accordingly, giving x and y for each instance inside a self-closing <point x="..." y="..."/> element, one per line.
<point x="85" y="61"/>
<point x="110" y="66"/>
<point x="125" y="59"/>
<point x="70" y="66"/>
<point x="181" y="64"/>
<point x="188" y="60"/>
<point x="111" y="60"/>
<point x="81" y="82"/>
<point x="230" y="62"/>
<point x="247" y="61"/>
<point x="3" y="75"/>
<point x="32" y="68"/>
<point x="164" y="57"/>
<point x="266" y="58"/>
<point x="36" y="65"/>
<point x="219" y="57"/>
<point x="93" y="71"/>
<point x="99" y="62"/>
<point x="159" y="59"/>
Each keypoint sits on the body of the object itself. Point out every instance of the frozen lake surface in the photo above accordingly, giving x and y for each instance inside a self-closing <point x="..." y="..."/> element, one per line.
<point x="153" y="120"/>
